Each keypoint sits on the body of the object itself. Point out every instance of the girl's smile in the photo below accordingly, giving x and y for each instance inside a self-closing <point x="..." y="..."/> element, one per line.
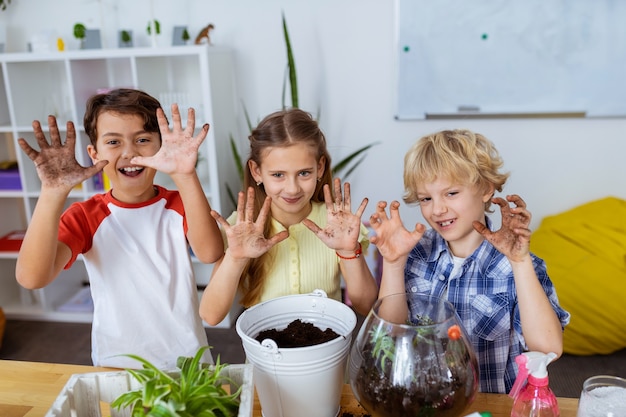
<point x="290" y="176"/>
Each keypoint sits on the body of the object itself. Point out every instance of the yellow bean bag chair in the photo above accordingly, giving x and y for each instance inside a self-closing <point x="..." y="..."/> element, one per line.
<point x="585" y="253"/>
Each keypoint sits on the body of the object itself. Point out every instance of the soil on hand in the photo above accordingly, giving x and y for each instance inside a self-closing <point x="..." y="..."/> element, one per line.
<point x="298" y="334"/>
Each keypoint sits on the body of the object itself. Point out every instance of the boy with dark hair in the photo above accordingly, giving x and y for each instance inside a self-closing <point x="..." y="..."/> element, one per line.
<point x="134" y="238"/>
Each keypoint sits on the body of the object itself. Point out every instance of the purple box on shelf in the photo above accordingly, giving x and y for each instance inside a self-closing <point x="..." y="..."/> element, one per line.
<point x="10" y="179"/>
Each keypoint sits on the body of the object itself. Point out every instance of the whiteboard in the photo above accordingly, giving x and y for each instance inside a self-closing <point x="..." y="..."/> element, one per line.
<point x="510" y="57"/>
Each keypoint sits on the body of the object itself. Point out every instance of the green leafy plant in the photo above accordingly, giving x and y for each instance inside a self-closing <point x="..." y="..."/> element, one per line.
<point x="196" y="391"/>
<point x="185" y="35"/>
<point x="157" y="27"/>
<point x="384" y="347"/>
<point x="80" y="31"/>
<point x="342" y="168"/>
<point x="126" y="38"/>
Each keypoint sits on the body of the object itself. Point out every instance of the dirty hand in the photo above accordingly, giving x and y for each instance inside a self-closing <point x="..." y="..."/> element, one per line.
<point x="245" y="238"/>
<point x="56" y="162"/>
<point x="392" y="239"/>
<point x="513" y="238"/>
<point x="342" y="226"/>
<point x="179" y="147"/>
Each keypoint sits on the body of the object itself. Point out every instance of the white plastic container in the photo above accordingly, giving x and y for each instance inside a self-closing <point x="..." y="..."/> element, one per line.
<point x="305" y="381"/>
<point x="91" y="394"/>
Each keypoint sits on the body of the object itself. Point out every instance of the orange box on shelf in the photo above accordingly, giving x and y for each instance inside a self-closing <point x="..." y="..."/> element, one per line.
<point x="12" y="241"/>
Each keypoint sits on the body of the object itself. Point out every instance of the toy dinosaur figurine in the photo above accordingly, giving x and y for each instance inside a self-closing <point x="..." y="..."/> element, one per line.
<point x="205" y="33"/>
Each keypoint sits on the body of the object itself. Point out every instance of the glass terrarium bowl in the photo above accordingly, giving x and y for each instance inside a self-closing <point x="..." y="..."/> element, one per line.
<point x="412" y="357"/>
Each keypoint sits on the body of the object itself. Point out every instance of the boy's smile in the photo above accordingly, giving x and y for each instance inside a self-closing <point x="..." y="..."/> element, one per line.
<point x="120" y="138"/>
<point x="451" y="209"/>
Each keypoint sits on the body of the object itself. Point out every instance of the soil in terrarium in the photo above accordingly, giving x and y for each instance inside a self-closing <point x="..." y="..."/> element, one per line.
<point x="382" y="398"/>
<point x="298" y="334"/>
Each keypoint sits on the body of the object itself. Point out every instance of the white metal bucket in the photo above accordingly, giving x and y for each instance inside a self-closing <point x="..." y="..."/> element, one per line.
<point x="306" y="381"/>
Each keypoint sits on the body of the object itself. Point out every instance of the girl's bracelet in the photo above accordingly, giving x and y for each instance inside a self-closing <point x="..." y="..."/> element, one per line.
<point x="357" y="253"/>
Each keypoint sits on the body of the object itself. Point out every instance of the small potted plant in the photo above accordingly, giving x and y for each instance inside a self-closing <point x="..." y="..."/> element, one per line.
<point x="197" y="389"/>
<point x="153" y="29"/>
<point x="80" y="31"/>
<point x="126" y="39"/>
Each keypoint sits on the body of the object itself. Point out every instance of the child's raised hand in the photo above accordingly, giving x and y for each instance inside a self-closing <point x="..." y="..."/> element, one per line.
<point x="245" y="238"/>
<point x="513" y="238"/>
<point x="392" y="239"/>
<point x="179" y="147"/>
<point x="342" y="226"/>
<point x="56" y="162"/>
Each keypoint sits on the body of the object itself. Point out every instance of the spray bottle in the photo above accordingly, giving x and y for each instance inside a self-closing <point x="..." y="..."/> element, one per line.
<point x="533" y="397"/>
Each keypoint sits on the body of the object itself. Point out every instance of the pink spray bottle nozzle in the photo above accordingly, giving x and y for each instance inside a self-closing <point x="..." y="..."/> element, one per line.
<point x="534" y="364"/>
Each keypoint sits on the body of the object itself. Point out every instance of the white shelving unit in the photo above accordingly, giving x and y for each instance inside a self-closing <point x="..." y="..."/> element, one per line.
<point x="35" y="85"/>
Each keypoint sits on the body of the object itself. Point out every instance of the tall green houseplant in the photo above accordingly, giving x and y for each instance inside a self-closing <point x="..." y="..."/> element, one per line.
<point x="342" y="168"/>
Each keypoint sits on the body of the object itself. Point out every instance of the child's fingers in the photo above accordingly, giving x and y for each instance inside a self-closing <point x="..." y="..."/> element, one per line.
<point x="250" y="205"/>
<point x="328" y="198"/>
<point x="312" y="226"/>
<point x="70" y="137"/>
<point x="218" y="217"/>
<point x="176" y="119"/>
<point x="162" y="121"/>
<point x="361" y="209"/>
<point x="346" y="197"/>
<point x="240" y="206"/>
<point x="517" y="200"/>
<point x="337" y="185"/>
<point x="265" y="211"/>
<point x="55" y="137"/>
<point x="278" y="237"/>
<point x="28" y="150"/>
<point x="191" y="120"/>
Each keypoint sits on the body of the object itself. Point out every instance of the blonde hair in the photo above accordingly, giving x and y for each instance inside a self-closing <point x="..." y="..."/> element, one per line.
<point x="460" y="156"/>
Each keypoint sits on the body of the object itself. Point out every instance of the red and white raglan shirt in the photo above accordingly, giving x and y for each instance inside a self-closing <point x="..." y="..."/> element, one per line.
<point x="141" y="277"/>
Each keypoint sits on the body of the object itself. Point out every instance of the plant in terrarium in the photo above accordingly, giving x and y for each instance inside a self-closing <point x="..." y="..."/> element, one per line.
<point x="412" y="358"/>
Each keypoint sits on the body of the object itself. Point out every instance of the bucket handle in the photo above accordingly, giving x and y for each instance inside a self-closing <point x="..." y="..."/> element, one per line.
<point x="319" y="293"/>
<point x="270" y="348"/>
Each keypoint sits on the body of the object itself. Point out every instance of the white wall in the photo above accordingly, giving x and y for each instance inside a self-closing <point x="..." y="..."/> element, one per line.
<point x="344" y="51"/>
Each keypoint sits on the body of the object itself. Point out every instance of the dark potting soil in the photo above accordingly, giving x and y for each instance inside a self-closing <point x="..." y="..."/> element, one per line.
<point x="298" y="334"/>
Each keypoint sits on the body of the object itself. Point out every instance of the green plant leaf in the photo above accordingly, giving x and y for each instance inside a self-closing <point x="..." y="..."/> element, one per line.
<point x="157" y="27"/>
<point x="79" y="31"/>
<point x="125" y="36"/>
<point x="345" y="162"/>
<point x="196" y="391"/>
<point x="236" y="157"/>
<point x="291" y="66"/>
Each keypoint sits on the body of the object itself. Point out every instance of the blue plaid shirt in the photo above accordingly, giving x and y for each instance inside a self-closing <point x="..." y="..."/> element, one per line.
<point x="484" y="295"/>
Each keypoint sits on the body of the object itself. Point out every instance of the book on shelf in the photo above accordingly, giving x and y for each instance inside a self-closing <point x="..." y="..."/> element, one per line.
<point x="12" y="241"/>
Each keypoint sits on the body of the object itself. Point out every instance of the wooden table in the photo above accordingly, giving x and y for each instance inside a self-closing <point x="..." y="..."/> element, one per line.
<point x="28" y="389"/>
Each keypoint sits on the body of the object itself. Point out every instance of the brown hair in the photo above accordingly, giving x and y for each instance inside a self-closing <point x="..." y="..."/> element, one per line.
<point x="123" y="101"/>
<point x="460" y="156"/>
<point x="280" y="129"/>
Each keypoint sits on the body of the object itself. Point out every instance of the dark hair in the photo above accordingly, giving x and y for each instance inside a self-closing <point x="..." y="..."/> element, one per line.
<point x="280" y="129"/>
<point x="123" y="101"/>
